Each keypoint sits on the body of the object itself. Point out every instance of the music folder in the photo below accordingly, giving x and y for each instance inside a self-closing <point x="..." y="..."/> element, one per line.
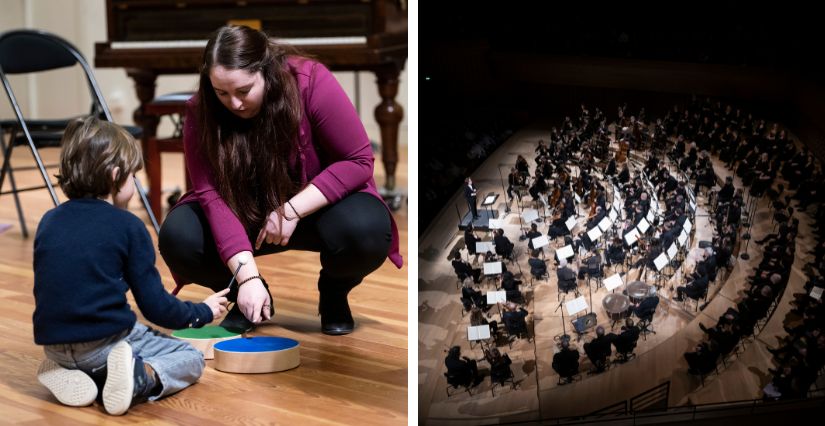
<point x="479" y="332"/>
<point x="565" y="252"/>
<point x="816" y="293"/>
<point x="540" y="242"/>
<point x="594" y="233"/>
<point x="613" y="282"/>
<point x="631" y="237"/>
<point x="576" y="305"/>
<point x="671" y="251"/>
<point x="494" y="297"/>
<point x="688" y="225"/>
<point x="489" y="199"/>
<point x="660" y="261"/>
<point x="643" y="225"/>
<point x="612" y="215"/>
<point x="484" y="246"/>
<point x="492" y="268"/>
<point x="530" y="215"/>
<point x="570" y="223"/>
<point x="682" y="238"/>
<point x="605" y="224"/>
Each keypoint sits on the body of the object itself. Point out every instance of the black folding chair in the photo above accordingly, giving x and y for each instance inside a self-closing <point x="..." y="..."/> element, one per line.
<point x="32" y="51"/>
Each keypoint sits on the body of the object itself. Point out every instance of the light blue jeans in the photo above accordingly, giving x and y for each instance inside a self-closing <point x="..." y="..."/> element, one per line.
<point x="176" y="363"/>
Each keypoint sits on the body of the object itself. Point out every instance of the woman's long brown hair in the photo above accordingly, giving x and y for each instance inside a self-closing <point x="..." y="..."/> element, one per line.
<point x="251" y="158"/>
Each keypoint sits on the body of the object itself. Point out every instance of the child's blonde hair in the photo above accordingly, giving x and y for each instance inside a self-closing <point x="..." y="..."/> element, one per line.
<point x="91" y="149"/>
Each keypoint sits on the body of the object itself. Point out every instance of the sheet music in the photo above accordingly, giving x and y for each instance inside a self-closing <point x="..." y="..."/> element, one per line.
<point x="484" y="246"/>
<point x="570" y="223"/>
<point x="577" y="198"/>
<point x="540" y="242"/>
<point x="650" y="215"/>
<point x="682" y="238"/>
<point x="489" y="199"/>
<point x="692" y="205"/>
<point x="671" y="251"/>
<point x="530" y="215"/>
<point x="492" y="268"/>
<point x="816" y="293"/>
<point x="494" y="297"/>
<point x="594" y="233"/>
<point x="643" y="226"/>
<point x="660" y="261"/>
<point x="688" y="225"/>
<point x="565" y="252"/>
<point x="612" y="215"/>
<point x="605" y="224"/>
<point x="613" y="282"/>
<point x="478" y="332"/>
<point x="631" y="237"/>
<point x="575" y="306"/>
<point x="496" y="224"/>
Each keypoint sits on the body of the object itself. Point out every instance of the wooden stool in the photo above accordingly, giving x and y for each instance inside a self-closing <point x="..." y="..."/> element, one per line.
<point x="173" y="105"/>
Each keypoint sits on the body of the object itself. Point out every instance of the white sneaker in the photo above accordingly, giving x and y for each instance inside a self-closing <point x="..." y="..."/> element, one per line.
<point x="71" y="387"/>
<point x="120" y="379"/>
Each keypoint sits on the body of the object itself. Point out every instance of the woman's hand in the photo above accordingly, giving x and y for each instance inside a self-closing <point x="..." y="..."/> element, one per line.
<point x="278" y="228"/>
<point x="254" y="302"/>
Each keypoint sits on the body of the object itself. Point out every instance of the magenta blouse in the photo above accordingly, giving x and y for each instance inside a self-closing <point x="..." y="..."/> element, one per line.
<point x="334" y="149"/>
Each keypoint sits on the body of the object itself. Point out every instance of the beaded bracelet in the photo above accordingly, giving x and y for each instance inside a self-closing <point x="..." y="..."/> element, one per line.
<point x="250" y="279"/>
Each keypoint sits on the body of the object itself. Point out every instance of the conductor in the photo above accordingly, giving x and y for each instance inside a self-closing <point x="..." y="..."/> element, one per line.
<point x="470" y="194"/>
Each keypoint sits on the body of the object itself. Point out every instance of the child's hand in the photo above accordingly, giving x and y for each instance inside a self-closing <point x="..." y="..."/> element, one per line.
<point x="218" y="303"/>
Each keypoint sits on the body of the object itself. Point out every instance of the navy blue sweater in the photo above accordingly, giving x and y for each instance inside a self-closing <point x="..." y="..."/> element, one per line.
<point x="87" y="255"/>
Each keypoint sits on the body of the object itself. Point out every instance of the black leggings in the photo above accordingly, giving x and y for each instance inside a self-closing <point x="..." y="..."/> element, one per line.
<point x="352" y="235"/>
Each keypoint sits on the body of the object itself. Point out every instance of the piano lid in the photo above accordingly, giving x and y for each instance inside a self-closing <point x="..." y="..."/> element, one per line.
<point x="157" y="20"/>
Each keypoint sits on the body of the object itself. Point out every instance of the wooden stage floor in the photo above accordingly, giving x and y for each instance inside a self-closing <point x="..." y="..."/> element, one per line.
<point x="360" y="378"/>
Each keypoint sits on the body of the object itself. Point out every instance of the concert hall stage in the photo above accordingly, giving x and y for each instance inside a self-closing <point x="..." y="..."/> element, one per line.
<point x="659" y="357"/>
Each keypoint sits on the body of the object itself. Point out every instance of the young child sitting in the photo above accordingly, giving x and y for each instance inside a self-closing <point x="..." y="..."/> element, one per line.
<point x="88" y="252"/>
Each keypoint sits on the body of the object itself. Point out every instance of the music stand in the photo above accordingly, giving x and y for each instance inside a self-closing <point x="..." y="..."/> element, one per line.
<point x="605" y="224"/>
<point x="478" y="333"/>
<point x="570" y="223"/>
<point x="496" y="297"/>
<point x="613" y="282"/>
<point x="660" y="262"/>
<point x="594" y="234"/>
<point x="496" y="224"/>
<point x="492" y="268"/>
<point x="530" y="215"/>
<point x="564" y="334"/>
<point x="484" y="246"/>
<point x="816" y="293"/>
<point x="565" y="252"/>
<point x="540" y="242"/>
<point x="574" y="307"/>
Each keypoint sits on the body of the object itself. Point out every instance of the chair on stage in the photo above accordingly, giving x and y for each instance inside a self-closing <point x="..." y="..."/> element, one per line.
<point x="31" y="52"/>
<point x="500" y="370"/>
<point x="700" y="297"/>
<point x="646" y="317"/>
<point x="594" y="270"/>
<point x="516" y="329"/>
<point x="458" y="381"/>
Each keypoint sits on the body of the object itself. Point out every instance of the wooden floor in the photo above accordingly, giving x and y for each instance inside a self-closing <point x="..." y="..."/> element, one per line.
<point x="360" y="378"/>
<point x="659" y="357"/>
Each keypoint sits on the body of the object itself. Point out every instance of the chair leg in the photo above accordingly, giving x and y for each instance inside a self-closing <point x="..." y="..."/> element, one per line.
<point x="8" y="170"/>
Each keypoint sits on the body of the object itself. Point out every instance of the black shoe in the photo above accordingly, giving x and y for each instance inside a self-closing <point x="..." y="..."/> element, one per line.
<point x="336" y="317"/>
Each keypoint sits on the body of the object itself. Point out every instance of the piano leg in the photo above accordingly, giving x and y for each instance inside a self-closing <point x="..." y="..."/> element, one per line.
<point x="145" y="90"/>
<point x="388" y="114"/>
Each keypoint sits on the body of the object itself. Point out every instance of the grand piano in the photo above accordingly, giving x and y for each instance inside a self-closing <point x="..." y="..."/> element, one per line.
<point x="153" y="37"/>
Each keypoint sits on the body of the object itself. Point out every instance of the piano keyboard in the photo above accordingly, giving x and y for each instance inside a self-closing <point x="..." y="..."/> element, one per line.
<point x="184" y="44"/>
